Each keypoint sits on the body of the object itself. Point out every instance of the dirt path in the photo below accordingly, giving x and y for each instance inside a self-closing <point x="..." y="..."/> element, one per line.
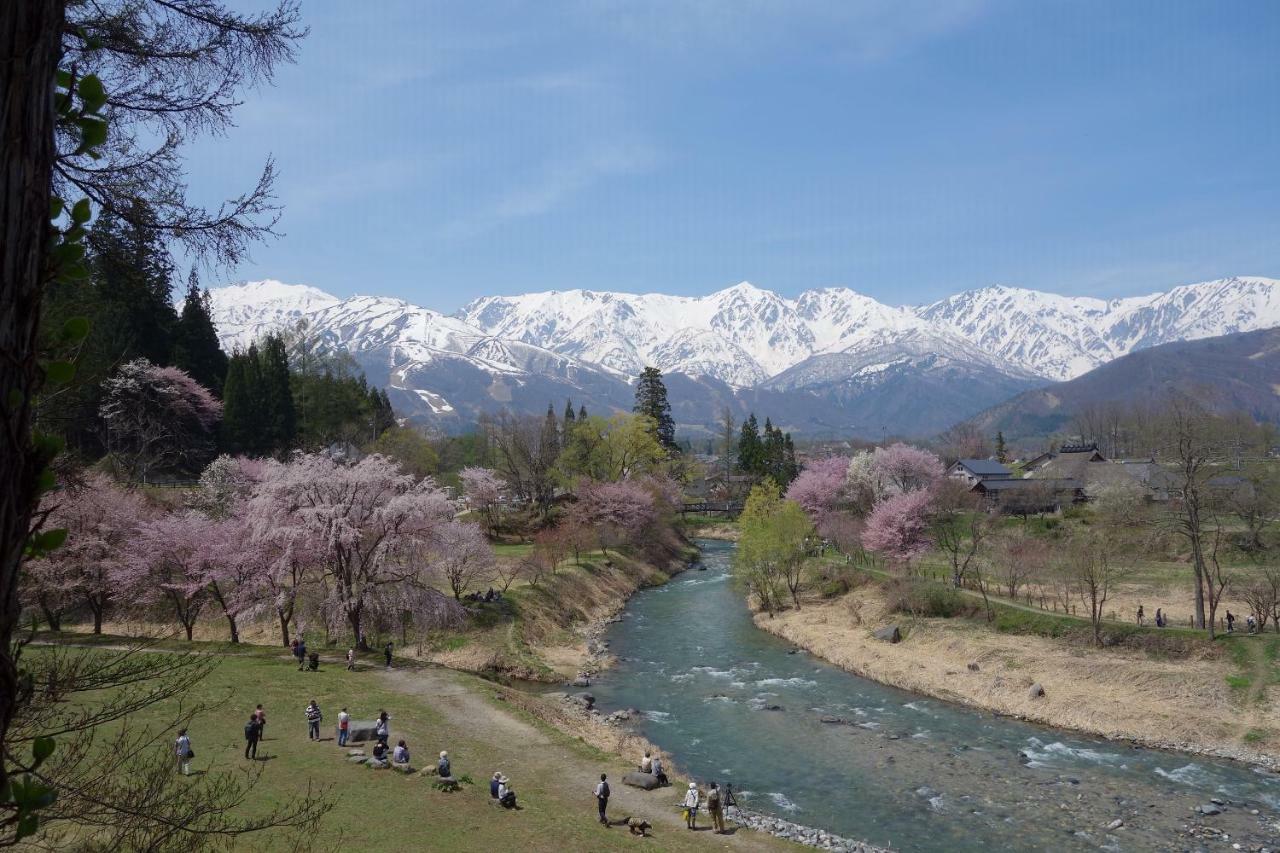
<point x="540" y="756"/>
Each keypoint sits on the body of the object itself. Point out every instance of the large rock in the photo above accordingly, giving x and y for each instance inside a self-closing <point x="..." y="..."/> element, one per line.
<point x="1035" y="691"/>
<point x="361" y="730"/>
<point x="636" y="779"/>
<point x="586" y="700"/>
<point x="888" y="634"/>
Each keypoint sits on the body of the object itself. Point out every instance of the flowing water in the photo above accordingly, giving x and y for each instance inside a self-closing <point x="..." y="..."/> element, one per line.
<point x="737" y="705"/>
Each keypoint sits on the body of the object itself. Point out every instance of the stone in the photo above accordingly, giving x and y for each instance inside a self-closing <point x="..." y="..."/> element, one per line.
<point x="835" y="721"/>
<point x="1115" y="824"/>
<point x="406" y="769"/>
<point x="357" y="759"/>
<point x="359" y="752"/>
<point x="1036" y="691"/>
<point x="587" y="700"/>
<point x="888" y="634"/>
<point x="1210" y="809"/>
<point x="636" y="779"/>
<point x="973" y="667"/>
<point x="580" y="681"/>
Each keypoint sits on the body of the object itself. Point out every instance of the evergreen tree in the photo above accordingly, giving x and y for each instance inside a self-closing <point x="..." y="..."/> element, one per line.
<point x="774" y="453"/>
<point x="582" y="412"/>
<point x="551" y="442"/>
<point x="279" y="414"/>
<point x="1002" y="452"/>
<point x="381" y="416"/>
<point x="651" y="401"/>
<point x="750" y="448"/>
<point x="238" y="410"/>
<point x="792" y="468"/>
<point x="569" y="420"/>
<point x="195" y="339"/>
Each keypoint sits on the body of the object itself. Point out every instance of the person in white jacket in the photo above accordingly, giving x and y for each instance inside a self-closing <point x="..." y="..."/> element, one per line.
<point x="691" y="806"/>
<point x="183" y="752"/>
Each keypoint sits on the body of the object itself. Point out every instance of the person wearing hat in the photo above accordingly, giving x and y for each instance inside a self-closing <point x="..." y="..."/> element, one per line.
<point x="442" y="766"/>
<point x="506" y="794"/>
<point x="493" y="785"/>
<point x="691" y="806"/>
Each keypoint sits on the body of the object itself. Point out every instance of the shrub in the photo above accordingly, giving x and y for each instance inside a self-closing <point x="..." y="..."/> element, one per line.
<point x="927" y="598"/>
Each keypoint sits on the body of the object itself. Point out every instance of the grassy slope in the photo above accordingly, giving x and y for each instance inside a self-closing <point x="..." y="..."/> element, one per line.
<point x="382" y="810"/>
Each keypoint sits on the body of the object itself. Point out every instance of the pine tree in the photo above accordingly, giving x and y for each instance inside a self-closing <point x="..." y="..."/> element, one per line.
<point x="131" y="270"/>
<point x="750" y="449"/>
<point x="238" y="410"/>
<point x="792" y="469"/>
<point x="1002" y="452"/>
<point x="569" y="421"/>
<point x="651" y="401"/>
<point x="774" y="453"/>
<point x="582" y="412"/>
<point x="275" y="392"/>
<point x="382" y="416"/>
<point x="551" y="441"/>
<point x="195" y="339"/>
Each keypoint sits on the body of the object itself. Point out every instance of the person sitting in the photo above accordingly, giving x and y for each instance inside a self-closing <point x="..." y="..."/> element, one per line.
<point x="313" y="661"/>
<point x="657" y="771"/>
<point x="443" y="770"/>
<point x="646" y="763"/>
<point x="494" y="785"/>
<point x="401" y="753"/>
<point x="506" y="794"/>
<point x="379" y="758"/>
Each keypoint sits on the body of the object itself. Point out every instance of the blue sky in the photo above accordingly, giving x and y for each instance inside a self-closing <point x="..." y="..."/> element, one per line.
<point x="905" y="148"/>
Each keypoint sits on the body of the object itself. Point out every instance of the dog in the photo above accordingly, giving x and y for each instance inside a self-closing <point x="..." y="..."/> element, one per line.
<point x="636" y="826"/>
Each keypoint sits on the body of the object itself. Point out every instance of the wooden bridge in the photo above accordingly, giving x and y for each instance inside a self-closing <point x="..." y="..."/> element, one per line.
<point x="725" y="508"/>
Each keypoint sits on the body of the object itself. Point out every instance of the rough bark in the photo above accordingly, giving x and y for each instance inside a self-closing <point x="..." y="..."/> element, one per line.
<point x="29" y="53"/>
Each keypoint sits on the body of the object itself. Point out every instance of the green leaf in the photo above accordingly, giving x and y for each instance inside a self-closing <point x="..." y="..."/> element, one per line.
<point x="49" y="540"/>
<point x="27" y="826"/>
<point x="59" y="372"/>
<point x="75" y="330"/>
<point x="93" y="132"/>
<point x="74" y="272"/>
<point x="81" y="212"/>
<point x="64" y="77"/>
<point x="45" y="481"/>
<point x="92" y="93"/>
<point x="42" y="749"/>
<point x="65" y="253"/>
<point x="56" y="207"/>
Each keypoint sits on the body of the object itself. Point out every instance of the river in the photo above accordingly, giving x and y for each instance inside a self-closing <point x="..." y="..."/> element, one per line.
<point x="735" y="704"/>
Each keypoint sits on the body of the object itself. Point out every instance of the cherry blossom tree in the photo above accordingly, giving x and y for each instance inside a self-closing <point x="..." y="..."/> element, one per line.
<point x="903" y="468"/>
<point x="157" y="417"/>
<point x="100" y="519"/>
<point x="864" y="486"/>
<point x="167" y="564"/>
<point x="483" y="489"/>
<point x="461" y="554"/>
<point x="897" y="527"/>
<point x="224" y="482"/>
<point x="365" y="519"/>
<point x="617" y="512"/>
<point x="820" y="487"/>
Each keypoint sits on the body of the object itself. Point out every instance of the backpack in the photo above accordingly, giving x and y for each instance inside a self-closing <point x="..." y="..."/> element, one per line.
<point x="713" y="798"/>
<point x="250" y="731"/>
<point x="604" y="791"/>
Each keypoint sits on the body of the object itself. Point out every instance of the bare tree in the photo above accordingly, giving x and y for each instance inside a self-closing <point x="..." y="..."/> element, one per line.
<point x="1262" y="594"/>
<point x="1094" y="572"/>
<point x="959" y="529"/>
<point x="1217" y="578"/>
<point x="1019" y="559"/>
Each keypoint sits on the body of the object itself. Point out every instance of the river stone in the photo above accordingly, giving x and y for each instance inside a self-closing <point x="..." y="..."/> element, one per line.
<point x="586" y="700"/>
<point x="889" y="634"/>
<point x="1036" y="691"/>
<point x="1210" y="809"/>
<point x="1115" y="824"/>
<point x="580" y="681"/>
<point x="973" y="667"/>
<point x="636" y="779"/>
<point x="358" y="730"/>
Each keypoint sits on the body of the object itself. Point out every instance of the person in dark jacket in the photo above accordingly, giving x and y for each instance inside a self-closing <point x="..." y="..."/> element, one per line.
<point x="493" y="785"/>
<point x="443" y="769"/>
<point x="252" y="734"/>
<point x="387" y="653"/>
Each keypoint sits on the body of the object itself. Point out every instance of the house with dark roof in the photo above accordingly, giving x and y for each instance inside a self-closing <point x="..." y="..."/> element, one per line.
<point x="973" y="471"/>
<point x="1026" y="496"/>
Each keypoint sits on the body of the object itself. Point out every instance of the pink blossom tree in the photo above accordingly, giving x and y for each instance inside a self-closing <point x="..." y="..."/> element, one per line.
<point x="820" y="487"/>
<point x="897" y="526"/>
<point x="903" y="468"/>
<point x="616" y="512"/>
<point x="168" y="564"/>
<point x="365" y="519"/>
<point x="483" y="489"/>
<point x="460" y="553"/>
<point x="157" y="417"/>
<point x="100" y="519"/>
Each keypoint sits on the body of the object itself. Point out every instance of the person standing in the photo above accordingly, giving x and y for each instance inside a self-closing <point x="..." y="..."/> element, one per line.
<point x="715" y="810"/>
<point x="387" y="653"/>
<point x="262" y="722"/>
<point x="252" y="732"/>
<point x="1231" y="622"/>
<point x="183" y="752"/>
<point x="1141" y="615"/>
<point x="351" y="659"/>
<point x="1159" y="618"/>
<point x="382" y="728"/>
<point x="691" y="806"/>
<point x="344" y="727"/>
<point x="602" y="798"/>
<point x="313" y="720"/>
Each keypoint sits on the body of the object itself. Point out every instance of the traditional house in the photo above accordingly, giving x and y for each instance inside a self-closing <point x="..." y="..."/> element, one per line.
<point x="972" y="471"/>
<point x="1027" y="496"/>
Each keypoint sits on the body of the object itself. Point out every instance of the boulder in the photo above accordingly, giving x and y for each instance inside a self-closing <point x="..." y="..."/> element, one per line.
<point x="1035" y="691"/>
<point x="580" y="681"/>
<point x="359" y="752"/>
<point x="1210" y="809"/>
<point x="973" y="667"/>
<point x="888" y="634"/>
<point x="636" y="779"/>
<point x="1115" y="824"/>
<point x="361" y="730"/>
<point x="357" y="759"/>
<point x="403" y="768"/>
<point x="586" y="700"/>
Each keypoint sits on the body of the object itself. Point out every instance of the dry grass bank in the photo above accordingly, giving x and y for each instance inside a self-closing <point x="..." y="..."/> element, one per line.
<point x="1185" y="703"/>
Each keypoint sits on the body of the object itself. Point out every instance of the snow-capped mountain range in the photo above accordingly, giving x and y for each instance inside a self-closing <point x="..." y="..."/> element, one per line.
<point x="830" y="343"/>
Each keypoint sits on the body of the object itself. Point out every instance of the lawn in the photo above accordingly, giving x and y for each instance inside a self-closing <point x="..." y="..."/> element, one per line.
<point x="432" y="709"/>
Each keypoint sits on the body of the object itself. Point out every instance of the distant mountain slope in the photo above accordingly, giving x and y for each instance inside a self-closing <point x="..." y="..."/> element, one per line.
<point x="1229" y="372"/>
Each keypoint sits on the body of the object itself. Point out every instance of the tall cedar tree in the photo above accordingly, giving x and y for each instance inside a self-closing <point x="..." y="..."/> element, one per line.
<point x="651" y="400"/>
<point x="569" y="420"/>
<point x="551" y="432"/>
<point x="195" y="339"/>
<point x="259" y="416"/>
<point x="582" y="412"/>
<point x="750" y="449"/>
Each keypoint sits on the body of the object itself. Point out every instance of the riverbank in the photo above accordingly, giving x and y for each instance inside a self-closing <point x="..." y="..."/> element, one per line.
<point x="1183" y="704"/>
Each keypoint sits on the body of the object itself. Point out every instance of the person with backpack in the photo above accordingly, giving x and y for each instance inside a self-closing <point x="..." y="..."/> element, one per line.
<point x="252" y="733"/>
<point x="313" y="720"/>
<point x="715" y="810"/>
<point x="344" y="727"/>
<point x="443" y="769"/>
<point x="602" y="798"/>
<point x="691" y="806"/>
<point x="300" y="652"/>
<point x="183" y="752"/>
